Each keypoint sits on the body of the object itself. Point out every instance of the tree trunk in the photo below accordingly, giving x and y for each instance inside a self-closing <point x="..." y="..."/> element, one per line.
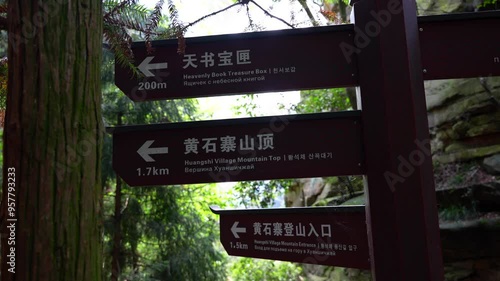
<point x="52" y="141"/>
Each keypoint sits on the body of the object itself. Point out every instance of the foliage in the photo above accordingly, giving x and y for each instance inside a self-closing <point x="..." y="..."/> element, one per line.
<point x="489" y="5"/>
<point x="247" y="269"/>
<point x="167" y="233"/>
<point x="335" y="1"/>
<point x="246" y="105"/>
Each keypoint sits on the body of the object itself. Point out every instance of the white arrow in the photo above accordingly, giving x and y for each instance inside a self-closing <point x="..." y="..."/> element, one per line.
<point x="145" y="66"/>
<point x="235" y="229"/>
<point x="145" y="150"/>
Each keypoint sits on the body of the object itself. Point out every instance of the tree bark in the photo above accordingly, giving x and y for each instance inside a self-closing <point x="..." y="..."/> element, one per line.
<point x="52" y="141"/>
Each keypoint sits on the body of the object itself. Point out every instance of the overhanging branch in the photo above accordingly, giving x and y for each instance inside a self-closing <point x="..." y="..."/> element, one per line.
<point x="304" y="5"/>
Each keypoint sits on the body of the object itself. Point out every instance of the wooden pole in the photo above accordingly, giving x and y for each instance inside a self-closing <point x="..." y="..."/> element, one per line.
<point x="401" y="208"/>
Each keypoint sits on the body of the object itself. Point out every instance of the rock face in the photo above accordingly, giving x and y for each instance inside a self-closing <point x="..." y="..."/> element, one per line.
<point x="305" y="192"/>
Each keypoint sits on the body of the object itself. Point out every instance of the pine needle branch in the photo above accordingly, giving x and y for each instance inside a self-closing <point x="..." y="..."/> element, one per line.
<point x="118" y="7"/>
<point x="152" y="25"/>
<point x="119" y="43"/>
<point x="177" y="27"/>
<point x="210" y="15"/>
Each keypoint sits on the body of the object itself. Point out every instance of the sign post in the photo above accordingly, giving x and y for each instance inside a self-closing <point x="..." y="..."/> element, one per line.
<point x="334" y="236"/>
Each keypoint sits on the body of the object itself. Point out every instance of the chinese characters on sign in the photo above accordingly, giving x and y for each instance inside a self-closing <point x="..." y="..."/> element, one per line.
<point x="228" y="143"/>
<point x="225" y="58"/>
<point x="288" y="229"/>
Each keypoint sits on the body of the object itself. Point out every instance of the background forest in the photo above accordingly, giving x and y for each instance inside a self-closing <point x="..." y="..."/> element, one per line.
<point x="168" y="232"/>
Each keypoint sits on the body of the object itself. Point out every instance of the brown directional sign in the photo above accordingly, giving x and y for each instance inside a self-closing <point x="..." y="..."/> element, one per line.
<point x="334" y="236"/>
<point x="460" y="46"/>
<point x="240" y="63"/>
<point x="290" y="146"/>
